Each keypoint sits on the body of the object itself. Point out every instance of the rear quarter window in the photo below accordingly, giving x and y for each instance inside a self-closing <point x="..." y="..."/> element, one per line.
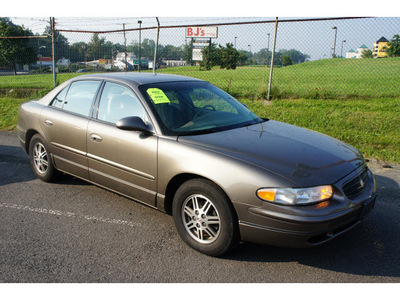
<point x="59" y="99"/>
<point x="80" y="97"/>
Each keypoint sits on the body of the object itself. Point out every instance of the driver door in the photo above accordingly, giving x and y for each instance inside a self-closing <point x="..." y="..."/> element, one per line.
<point x="123" y="161"/>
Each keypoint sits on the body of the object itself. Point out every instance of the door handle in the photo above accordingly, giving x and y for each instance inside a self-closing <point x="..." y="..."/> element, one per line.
<point x="48" y="123"/>
<point x="96" y="138"/>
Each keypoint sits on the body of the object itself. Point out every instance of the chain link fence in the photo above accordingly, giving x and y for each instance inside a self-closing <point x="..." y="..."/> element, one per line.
<point x="330" y="58"/>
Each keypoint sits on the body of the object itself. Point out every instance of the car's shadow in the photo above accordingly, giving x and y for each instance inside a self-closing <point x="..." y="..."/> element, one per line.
<point x="15" y="167"/>
<point x="370" y="249"/>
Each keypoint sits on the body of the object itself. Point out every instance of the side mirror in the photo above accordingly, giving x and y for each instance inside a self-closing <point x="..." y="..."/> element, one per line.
<point x="245" y="105"/>
<point x="133" y="123"/>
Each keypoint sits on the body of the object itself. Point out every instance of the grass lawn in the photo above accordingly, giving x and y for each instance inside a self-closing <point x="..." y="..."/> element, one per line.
<point x="322" y="79"/>
<point x="8" y="112"/>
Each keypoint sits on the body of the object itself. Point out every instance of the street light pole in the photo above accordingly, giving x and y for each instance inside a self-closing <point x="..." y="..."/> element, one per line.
<point x="250" y="60"/>
<point x="40" y="56"/>
<point x="334" y="45"/>
<point x="126" y="57"/>
<point x="341" y="51"/>
<point x="140" y="40"/>
<point x="235" y="41"/>
<point x="268" y="48"/>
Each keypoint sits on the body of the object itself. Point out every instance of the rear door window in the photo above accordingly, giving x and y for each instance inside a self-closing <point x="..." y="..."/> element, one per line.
<point x="58" y="100"/>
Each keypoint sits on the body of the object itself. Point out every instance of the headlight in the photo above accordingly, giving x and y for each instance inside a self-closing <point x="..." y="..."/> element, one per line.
<point x="293" y="196"/>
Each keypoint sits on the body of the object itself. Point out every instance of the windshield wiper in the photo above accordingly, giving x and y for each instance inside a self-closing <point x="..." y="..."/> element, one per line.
<point x="197" y="132"/>
<point x="253" y="122"/>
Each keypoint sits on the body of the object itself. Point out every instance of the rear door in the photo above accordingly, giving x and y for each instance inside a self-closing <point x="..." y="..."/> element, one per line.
<point x="124" y="161"/>
<point x="64" y="124"/>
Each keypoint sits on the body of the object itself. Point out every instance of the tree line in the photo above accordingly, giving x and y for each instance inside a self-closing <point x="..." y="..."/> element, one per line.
<point x="27" y="51"/>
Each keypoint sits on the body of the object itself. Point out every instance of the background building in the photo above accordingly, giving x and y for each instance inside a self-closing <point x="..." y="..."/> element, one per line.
<point x="380" y="47"/>
<point x="356" y="54"/>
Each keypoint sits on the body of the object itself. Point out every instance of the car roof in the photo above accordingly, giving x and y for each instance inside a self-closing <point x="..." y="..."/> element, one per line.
<point x="136" y="78"/>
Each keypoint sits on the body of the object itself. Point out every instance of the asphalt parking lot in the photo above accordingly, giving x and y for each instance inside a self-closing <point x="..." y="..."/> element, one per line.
<point x="72" y="231"/>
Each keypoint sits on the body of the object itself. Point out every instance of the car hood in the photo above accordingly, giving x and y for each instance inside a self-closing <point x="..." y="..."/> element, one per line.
<point x="305" y="157"/>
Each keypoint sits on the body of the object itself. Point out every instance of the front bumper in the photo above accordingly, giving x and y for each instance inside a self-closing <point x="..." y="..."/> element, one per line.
<point x="310" y="232"/>
<point x="303" y="227"/>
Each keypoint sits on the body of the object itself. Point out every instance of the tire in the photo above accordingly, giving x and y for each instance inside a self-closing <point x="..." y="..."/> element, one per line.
<point x="41" y="160"/>
<point x="205" y="218"/>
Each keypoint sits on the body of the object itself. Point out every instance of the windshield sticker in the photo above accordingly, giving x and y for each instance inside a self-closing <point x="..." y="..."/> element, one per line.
<point x="157" y="96"/>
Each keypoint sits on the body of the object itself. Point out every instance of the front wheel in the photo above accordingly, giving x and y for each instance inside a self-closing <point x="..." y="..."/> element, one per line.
<point x="205" y="218"/>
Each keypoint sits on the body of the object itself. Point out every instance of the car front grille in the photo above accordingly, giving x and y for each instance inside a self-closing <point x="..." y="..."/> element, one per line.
<point x="354" y="187"/>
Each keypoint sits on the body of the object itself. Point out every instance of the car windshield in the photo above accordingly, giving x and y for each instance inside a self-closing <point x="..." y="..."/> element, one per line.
<point x="186" y="108"/>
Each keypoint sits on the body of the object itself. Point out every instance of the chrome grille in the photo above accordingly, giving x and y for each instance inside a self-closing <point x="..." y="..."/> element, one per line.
<point x="355" y="186"/>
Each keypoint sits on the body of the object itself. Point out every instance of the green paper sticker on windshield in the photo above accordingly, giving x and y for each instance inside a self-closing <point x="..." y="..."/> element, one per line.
<point x="157" y="96"/>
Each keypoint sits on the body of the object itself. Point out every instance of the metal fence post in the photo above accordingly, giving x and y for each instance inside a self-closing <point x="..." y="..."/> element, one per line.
<point x="272" y="60"/>
<point x="156" y="47"/>
<point x="53" y="52"/>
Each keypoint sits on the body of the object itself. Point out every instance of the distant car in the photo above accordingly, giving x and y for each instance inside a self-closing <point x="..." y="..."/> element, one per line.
<point x="82" y="71"/>
<point x="185" y="147"/>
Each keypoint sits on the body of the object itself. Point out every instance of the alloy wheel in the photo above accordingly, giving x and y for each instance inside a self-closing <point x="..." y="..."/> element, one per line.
<point x="201" y="219"/>
<point x="40" y="158"/>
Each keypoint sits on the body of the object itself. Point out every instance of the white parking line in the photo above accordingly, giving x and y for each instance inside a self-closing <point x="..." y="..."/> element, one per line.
<point x="68" y="214"/>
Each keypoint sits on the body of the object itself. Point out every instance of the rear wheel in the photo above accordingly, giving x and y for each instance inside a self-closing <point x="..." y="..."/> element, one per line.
<point x="205" y="218"/>
<point x="40" y="158"/>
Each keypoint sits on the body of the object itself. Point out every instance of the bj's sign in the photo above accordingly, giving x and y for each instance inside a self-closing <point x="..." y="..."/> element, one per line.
<point x="201" y="32"/>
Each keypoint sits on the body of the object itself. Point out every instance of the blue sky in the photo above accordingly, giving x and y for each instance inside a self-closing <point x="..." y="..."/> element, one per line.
<point x="313" y="38"/>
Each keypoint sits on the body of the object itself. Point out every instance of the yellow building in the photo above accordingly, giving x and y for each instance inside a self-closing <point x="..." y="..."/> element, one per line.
<point x="380" y="48"/>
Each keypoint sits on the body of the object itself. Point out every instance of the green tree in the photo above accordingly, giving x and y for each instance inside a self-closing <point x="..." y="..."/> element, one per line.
<point x="77" y="52"/>
<point x="15" y="51"/>
<point x="172" y="52"/>
<point x="229" y="57"/>
<point x="367" y="53"/>
<point x="188" y="53"/>
<point x="61" y="45"/>
<point x="296" y="56"/>
<point x="147" y="48"/>
<point x="211" y="57"/>
<point x="243" y="58"/>
<point x="394" y="46"/>
<point x="96" y="47"/>
<point x="286" y="60"/>
<point x="261" y="57"/>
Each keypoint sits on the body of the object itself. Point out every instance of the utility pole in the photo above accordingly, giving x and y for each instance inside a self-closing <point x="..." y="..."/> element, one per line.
<point x="126" y="58"/>
<point x="52" y="26"/>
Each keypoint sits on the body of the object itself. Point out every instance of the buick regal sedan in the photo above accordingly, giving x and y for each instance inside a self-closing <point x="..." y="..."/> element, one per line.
<point x="187" y="148"/>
